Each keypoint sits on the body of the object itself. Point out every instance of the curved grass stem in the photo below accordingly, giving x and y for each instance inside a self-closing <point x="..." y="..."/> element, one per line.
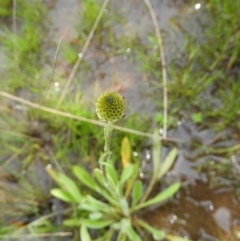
<point x="163" y="65"/>
<point x="81" y="118"/>
<point x="83" y="51"/>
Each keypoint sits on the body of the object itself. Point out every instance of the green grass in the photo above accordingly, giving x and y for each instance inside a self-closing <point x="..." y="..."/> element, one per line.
<point x="5" y="9"/>
<point x="23" y="48"/>
<point x="201" y="66"/>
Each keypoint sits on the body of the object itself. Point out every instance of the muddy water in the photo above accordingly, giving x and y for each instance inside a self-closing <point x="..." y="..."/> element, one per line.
<point x="199" y="212"/>
<point x="208" y="205"/>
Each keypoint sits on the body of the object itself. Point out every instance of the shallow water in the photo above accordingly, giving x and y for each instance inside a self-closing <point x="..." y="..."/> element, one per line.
<point x="207" y="207"/>
<point x="200" y="213"/>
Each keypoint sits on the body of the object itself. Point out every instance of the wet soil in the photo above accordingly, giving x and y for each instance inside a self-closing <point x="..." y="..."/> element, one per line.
<point x="116" y="72"/>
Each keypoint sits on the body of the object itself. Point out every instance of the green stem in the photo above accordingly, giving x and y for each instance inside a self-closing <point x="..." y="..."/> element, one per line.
<point x="107" y="135"/>
<point x="107" y="153"/>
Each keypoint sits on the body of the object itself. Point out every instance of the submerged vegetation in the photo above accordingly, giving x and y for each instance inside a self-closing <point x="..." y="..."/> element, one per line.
<point x="55" y="138"/>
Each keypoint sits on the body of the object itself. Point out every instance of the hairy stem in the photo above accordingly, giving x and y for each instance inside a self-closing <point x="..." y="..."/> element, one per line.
<point x="107" y="135"/>
<point x="107" y="153"/>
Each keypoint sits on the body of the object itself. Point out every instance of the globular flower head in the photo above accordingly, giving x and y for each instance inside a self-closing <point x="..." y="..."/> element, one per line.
<point x="110" y="106"/>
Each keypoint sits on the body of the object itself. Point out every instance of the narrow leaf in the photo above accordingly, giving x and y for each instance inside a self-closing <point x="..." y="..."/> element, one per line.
<point x="99" y="176"/>
<point x="167" y="163"/>
<point x="84" y="234"/>
<point x="111" y="180"/>
<point x="111" y="171"/>
<point x="116" y="225"/>
<point x="124" y="206"/>
<point x="70" y="186"/>
<point x="95" y="215"/>
<point x="132" y="180"/>
<point x="167" y="193"/>
<point x="137" y="192"/>
<point x="92" y="206"/>
<point x="62" y="195"/>
<point x="96" y="203"/>
<point x="125" y="152"/>
<point x="84" y="177"/>
<point x="73" y="222"/>
<point x="109" y="186"/>
<point x="96" y="224"/>
<point x="132" y="235"/>
<point x="88" y="207"/>
<point x="157" y="234"/>
<point x="105" y="190"/>
<point x="126" y="173"/>
<point x="104" y="163"/>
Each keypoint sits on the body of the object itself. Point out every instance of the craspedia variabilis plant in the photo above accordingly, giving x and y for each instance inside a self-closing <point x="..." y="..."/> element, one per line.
<point x="110" y="106"/>
<point x="120" y="194"/>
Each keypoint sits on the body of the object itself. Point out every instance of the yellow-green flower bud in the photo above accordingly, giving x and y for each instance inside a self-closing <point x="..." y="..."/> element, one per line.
<point x="110" y="106"/>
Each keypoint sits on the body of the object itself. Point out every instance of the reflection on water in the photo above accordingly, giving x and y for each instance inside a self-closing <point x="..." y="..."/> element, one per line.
<point x="223" y="218"/>
<point x="197" y="6"/>
<point x="194" y="213"/>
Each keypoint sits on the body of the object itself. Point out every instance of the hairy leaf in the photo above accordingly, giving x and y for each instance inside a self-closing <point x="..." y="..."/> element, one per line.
<point x="137" y="192"/>
<point x="126" y="173"/>
<point x="96" y="224"/>
<point x="70" y="186"/>
<point x="62" y="195"/>
<point x="167" y="193"/>
<point x="84" y="177"/>
<point x="157" y="234"/>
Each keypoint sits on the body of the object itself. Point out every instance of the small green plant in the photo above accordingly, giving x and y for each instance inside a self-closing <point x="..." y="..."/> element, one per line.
<point x="114" y="197"/>
<point x="110" y="107"/>
<point x="197" y="117"/>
